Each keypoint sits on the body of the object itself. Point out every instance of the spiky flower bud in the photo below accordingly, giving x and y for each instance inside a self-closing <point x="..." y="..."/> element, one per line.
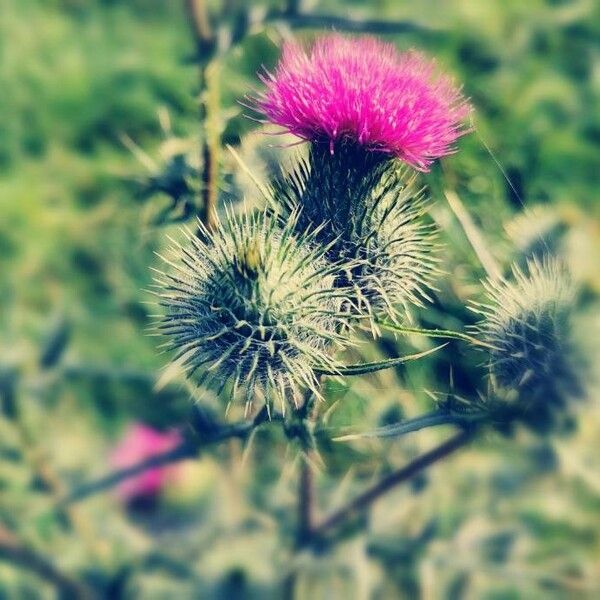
<point x="370" y="214"/>
<point x="252" y="303"/>
<point x="534" y="364"/>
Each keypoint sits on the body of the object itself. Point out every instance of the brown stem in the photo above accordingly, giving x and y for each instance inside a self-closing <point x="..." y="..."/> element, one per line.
<point x="209" y="106"/>
<point x="307" y="414"/>
<point x="187" y="449"/>
<point x="16" y="553"/>
<point x="306" y="501"/>
<point x="363" y="501"/>
<point x="211" y="145"/>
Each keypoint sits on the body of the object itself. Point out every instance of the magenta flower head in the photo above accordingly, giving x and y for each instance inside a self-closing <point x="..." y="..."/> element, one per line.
<point x="139" y="443"/>
<point x="366" y="92"/>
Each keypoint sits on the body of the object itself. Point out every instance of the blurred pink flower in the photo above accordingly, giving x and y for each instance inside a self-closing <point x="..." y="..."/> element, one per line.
<point x="364" y="90"/>
<point x="139" y="443"/>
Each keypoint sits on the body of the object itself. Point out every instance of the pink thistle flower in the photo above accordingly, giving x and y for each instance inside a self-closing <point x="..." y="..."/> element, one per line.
<point x="139" y="443"/>
<point x="365" y="91"/>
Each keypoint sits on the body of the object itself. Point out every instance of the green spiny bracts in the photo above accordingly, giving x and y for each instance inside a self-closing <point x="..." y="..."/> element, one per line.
<point x="534" y="365"/>
<point x="252" y="304"/>
<point x="370" y="211"/>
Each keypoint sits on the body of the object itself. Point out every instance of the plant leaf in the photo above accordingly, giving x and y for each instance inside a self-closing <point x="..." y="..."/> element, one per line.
<point x="372" y="367"/>
<point x="435" y="333"/>
<point x="432" y="419"/>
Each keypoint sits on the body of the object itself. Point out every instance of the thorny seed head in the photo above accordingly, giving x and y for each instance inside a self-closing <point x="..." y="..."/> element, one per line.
<point x="252" y="304"/>
<point x="535" y="363"/>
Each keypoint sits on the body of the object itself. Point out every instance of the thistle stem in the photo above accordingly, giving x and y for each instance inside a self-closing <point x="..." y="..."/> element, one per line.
<point x="432" y="419"/>
<point x="365" y="500"/>
<point x="187" y="449"/>
<point x="306" y="493"/>
<point x="306" y="500"/>
<point x="14" y="552"/>
<point x="204" y="38"/>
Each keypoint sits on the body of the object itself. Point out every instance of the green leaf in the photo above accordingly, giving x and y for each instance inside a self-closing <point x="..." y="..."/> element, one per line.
<point x="433" y="419"/>
<point x="435" y="333"/>
<point x="372" y="367"/>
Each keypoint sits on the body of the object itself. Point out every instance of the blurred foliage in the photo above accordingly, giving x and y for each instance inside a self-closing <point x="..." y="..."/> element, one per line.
<point x="507" y="518"/>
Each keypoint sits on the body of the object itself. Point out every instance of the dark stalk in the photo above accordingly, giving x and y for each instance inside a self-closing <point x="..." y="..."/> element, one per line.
<point x="14" y="552"/>
<point x="187" y="449"/>
<point x="365" y="500"/>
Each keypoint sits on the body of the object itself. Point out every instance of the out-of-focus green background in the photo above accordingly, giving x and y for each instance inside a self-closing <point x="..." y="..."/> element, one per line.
<point x="82" y="83"/>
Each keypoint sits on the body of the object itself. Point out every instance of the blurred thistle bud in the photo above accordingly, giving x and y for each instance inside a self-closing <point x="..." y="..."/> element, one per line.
<point x="537" y="231"/>
<point x="253" y="303"/>
<point x="174" y="173"/>
<point x="375" y="219"/>
<point x="139" y="443"/>
<point x="535" y="366"/>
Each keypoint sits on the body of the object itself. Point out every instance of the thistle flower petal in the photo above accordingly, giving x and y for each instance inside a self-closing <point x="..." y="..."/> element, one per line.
<point x="366" y="92"/>
<point x="252" y="304"/>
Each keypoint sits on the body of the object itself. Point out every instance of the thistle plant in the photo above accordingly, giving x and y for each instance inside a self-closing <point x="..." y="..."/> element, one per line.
<point x="261" y="307"/>
<point x="261" y="304"/>
<point x="253" y="305"/>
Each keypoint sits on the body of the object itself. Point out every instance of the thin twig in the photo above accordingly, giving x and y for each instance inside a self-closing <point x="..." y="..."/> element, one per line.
<point x="205" y="40"/>
<point x="16" y="553"/>
<point x="199" y="20"/>
<point x="432" y="419"/>
<point x="187" y="449"/>
<point x="306" y="498"/>
<point x="306" y="486"/>
<point x="363" y="501"/>
<point x="379" y="365"/>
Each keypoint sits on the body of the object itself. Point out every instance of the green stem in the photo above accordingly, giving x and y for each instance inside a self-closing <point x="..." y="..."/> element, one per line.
<point x="363" y="501"/>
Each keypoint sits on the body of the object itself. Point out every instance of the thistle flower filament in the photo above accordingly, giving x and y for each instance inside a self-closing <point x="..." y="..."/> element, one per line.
<point x="366" y="92"/>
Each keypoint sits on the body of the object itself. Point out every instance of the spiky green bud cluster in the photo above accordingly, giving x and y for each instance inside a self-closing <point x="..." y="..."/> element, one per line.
<point x="534" y="364"/>
<point x="369" y="211"/>
<point x="252" y="304"/>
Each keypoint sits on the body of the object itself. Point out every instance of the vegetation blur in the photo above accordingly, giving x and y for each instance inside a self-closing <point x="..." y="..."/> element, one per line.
<point x="123" y="121"/>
